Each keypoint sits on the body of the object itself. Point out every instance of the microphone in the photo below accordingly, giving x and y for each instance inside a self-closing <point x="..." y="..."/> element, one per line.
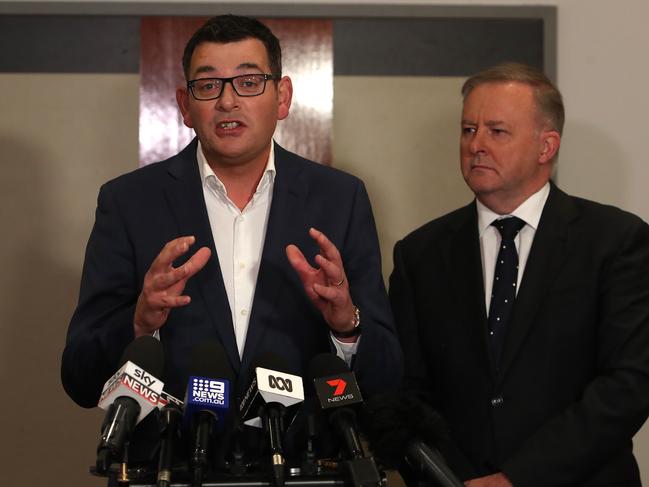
<point x="169" y="418"/>
<point x="338" y="393"/>
<point x="401" y="427"/>
<point x="128" y="396"/>
<point x="207" y="402"/>
<point x="271" y="401"/>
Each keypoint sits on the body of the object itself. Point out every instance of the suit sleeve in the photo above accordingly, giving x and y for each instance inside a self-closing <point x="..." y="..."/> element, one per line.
<point x="378" y="364"/>
<point x="416" y="378"/>
<point x="586" y="435"/>
<point x="102" y="324"/>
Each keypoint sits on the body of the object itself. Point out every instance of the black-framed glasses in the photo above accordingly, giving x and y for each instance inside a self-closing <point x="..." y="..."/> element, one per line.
<point x="244" y="85"/>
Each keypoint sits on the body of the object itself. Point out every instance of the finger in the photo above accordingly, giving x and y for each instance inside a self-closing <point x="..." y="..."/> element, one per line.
<point x="171" y="301"/>
<point x="334" y="273"/>
<point x="327" y="248"/>
<point x="298" y="261"/>
<point x="197" y="261"/>
<point x="172" y="276"/>
<point x="332" y="294"/>
<point x="171" y="251"/>
<point x="162" y="281"/>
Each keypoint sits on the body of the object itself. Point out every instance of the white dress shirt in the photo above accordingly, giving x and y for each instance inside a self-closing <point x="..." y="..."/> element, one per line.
<point x="530" y="212"/>
<point x="239" y="239"/>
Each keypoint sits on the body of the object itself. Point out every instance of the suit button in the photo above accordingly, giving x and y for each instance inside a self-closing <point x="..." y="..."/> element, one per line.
<point x="497" y="401"/>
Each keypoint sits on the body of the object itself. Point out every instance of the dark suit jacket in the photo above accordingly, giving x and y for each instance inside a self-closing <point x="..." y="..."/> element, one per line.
<point x="139" y="212"/>
<point x="574" y="381"/>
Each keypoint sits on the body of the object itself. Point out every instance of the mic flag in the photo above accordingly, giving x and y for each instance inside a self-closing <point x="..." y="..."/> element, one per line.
<point x="270" y="385"/>
<point x="207" y="402"/>
<point x="337" y="390"/>
<point x="265" y="404"/>
<point x="338" y="394"/>
<point x="128" y="396"/>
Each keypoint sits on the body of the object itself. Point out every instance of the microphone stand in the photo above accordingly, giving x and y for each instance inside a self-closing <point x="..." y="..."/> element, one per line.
<point x="361" y="469"/>
<point x="274" y="422"/>
<point x="170" y="422"/>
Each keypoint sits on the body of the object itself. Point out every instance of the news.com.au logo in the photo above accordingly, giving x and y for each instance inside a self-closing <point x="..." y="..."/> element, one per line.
<point x="209" y="391"/>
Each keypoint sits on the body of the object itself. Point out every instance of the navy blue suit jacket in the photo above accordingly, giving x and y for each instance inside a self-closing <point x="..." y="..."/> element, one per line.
<point x="573" y="386"/>
<point x="139" y="212"/>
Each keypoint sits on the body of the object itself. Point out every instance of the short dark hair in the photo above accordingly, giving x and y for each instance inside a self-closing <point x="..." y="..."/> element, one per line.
<point x="547" y="96"/>
<point x="232" y="28"/>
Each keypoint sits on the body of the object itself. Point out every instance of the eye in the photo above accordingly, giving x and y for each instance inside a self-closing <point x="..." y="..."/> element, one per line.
<point x="208" y="85"/>
<point x="498" y="131"/>
<point x="468" y="130"/>
<point x="250" y="81"/>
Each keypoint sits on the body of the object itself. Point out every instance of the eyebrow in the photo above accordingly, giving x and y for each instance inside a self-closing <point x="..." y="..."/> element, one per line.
<point x="210" y="69"/>
<point x="488" y="123"/>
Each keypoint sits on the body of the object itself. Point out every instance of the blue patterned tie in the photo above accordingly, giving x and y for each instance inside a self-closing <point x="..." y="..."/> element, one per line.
<point x="503" y="292"/>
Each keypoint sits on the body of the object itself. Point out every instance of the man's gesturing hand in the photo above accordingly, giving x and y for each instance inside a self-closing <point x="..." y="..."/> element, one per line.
<point x="164" y="284"/>
<point x="327" y="286"/>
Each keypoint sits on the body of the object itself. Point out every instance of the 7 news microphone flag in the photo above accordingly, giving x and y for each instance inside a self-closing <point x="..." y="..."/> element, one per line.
<point x="339" y="396"/>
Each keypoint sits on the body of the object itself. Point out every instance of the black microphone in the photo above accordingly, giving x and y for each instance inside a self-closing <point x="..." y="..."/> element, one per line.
<point x="128" y="396"/>
<point x="270" y="401"/>
<point x="339" y="395"/>
<point x="404" y="434"/>
<point x="207" y="402"/>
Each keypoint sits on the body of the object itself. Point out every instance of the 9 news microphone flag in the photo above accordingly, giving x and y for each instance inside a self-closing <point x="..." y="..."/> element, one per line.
<point x="207" y="402"/>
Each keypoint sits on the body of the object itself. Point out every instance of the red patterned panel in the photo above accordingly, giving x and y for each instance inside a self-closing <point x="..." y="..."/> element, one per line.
<point x="307" y="52"/>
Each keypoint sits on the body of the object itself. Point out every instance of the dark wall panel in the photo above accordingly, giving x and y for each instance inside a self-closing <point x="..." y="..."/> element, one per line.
<point x="433" y="47"/>
<point x="69" y="44"/>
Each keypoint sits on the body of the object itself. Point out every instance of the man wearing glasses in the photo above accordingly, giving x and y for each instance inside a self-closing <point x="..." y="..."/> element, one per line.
<point x="208" y="245"/>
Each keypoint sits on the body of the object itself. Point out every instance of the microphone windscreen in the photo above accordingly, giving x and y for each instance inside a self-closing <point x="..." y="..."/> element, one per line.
<point x="210" y="360"/>
<point x="145" y="352"/>
<point x="392" y="421"/>
<point x="270" y="361"/>
<point x="325" y="364"/>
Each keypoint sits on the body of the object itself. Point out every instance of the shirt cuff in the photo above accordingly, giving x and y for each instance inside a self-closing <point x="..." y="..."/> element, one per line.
<point x="345" y="350"/>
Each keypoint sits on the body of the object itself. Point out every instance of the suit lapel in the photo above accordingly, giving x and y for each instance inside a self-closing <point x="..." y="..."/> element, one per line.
<point x="546" y="258"/>
<point x="464" y="265"/>
<point x="286" y="224"/>
<point x="185" y="195"/>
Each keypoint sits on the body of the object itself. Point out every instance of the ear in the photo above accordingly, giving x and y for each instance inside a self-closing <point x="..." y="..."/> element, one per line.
<point x="284" y="96"/>
<point x="182" y="98"/>
<point x="550" y="142"/>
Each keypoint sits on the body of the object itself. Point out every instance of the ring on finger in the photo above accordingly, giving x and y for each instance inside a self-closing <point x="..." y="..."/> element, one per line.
<point x="339" y="283"/>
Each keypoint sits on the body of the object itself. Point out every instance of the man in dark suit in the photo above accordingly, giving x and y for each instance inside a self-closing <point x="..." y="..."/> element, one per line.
<point x="535" y="353"/>
<point x="248" y="206"/>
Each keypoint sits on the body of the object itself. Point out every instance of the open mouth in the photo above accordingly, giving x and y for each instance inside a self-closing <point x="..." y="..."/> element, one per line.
<point x="229" y="125"/>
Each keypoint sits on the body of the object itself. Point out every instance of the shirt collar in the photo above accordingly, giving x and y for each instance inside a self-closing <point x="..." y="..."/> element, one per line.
<point x="208" y="175"/>
<point x="529" y="211"/>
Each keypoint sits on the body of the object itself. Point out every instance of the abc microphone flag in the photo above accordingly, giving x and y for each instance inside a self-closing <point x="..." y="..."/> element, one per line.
<point x="266" y="402"/>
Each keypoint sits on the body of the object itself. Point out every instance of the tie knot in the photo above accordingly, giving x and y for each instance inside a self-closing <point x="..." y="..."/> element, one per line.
<point x="509" y="227"/>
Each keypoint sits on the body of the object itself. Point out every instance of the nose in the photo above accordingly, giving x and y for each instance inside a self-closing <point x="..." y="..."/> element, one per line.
<point x="229" y="100"/>
<point x="476" y="141"/>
